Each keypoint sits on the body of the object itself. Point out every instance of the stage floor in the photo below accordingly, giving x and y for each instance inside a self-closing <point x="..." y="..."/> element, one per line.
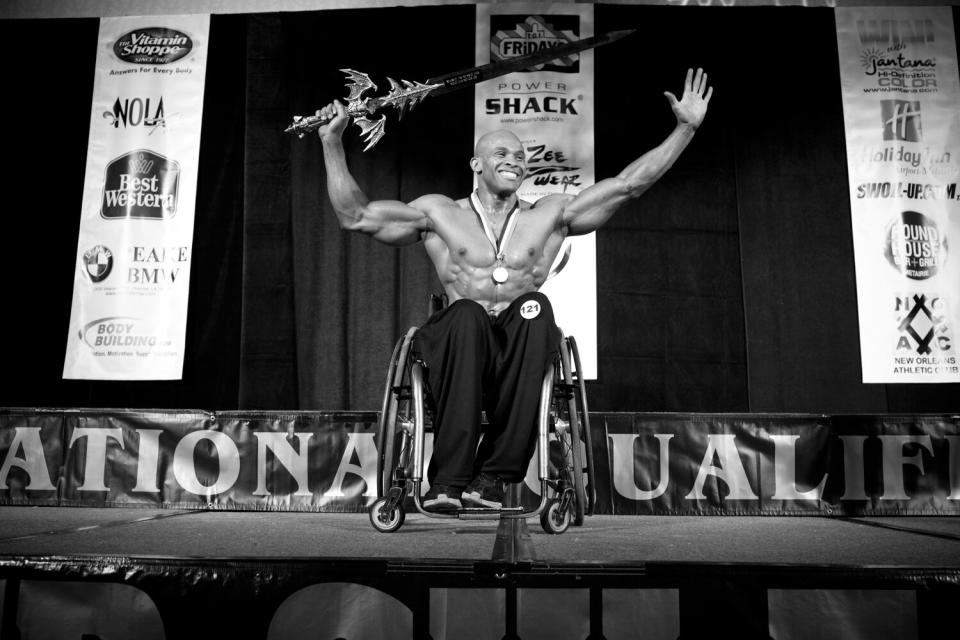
<point x="688" y="576"/>
<point x="907" y="542"/>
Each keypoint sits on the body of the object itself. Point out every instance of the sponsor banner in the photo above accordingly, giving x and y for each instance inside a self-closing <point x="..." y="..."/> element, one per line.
<point x="551" y="111"/>
<point x="131" y="283"/>
<point x="689" y="464"/>
<point x="898" y="70"/>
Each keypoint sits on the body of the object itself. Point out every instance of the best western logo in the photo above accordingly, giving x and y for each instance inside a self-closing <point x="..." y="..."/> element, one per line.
<point x="140" y="184"/>
<point x="511" y="39"/>
<point x="153" y="45"/>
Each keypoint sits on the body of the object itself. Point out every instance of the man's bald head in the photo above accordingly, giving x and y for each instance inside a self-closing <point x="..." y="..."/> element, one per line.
<point x="492" y="139"/>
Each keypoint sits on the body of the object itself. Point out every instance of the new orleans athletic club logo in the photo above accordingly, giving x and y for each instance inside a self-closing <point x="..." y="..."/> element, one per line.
<point x="98" y="263"/>
<point x="922" y="325"/>
<point x="511" y="38"/>
<point x="140" y="184"/>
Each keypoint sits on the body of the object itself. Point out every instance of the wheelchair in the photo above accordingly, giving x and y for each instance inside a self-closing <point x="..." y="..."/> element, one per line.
<point x="565" y="454"/>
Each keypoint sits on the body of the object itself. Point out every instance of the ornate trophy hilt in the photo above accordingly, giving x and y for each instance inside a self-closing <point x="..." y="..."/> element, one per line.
<point x="403" y="95"/>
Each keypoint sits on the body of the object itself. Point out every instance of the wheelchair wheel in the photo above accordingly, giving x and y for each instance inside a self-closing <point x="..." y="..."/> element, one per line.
<point x="570" y="440"/>
<point x="553" y="520"/>
<point x="385" y="519"/>
<point x="395" y="408"/>
<point x="585" y="432"/>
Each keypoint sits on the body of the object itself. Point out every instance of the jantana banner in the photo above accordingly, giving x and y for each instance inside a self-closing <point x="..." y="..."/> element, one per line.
<point x="131" y="284"/>
<point x="551" y="111"/>
<point x="901" y="102"/>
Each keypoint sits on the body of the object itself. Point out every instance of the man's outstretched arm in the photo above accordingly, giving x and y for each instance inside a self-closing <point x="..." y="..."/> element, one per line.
<point x="593" y="206"/>
<point x="389" y="221"/>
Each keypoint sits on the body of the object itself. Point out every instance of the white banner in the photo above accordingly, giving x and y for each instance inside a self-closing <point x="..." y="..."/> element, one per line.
<point x="128" y="319"/>
<point x="551" y="111"/>
<point x="901" y="104"/>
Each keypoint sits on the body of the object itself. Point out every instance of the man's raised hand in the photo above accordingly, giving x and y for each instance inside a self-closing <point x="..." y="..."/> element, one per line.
<point x="692" y="106"/>
<point x="337" y="117"/>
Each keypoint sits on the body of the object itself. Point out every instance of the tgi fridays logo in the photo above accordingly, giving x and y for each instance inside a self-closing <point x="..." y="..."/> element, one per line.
<point x="511" y="39"/>
<point x="140" y="184"/>
<point x="152" y="45"/>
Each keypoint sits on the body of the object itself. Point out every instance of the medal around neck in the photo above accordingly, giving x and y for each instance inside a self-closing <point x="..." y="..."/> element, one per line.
<point x="500" y="273"/>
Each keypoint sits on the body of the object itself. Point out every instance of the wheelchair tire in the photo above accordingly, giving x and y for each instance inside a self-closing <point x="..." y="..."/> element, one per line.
<point x="386" y="429"/>
<point x="552" y="520"/>
<point x="386" y="521"/>
<point x="576" y="462"/>
<point x="396" y="401"/>
<point x="585" y="427"/>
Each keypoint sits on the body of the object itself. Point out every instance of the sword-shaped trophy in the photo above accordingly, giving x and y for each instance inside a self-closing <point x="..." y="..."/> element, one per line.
<point x="406" y="95"/>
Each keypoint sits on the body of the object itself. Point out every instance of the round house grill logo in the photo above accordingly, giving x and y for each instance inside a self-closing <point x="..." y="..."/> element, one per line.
<point x="153" y="45"/>
<point x="98" y="263"/>
<point x="915" y="246"/>
<point x="140" y="184"/>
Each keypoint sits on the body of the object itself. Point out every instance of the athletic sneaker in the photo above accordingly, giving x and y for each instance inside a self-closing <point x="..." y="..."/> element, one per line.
<point x="484" y="491"/>
<point x="442" y="499"/>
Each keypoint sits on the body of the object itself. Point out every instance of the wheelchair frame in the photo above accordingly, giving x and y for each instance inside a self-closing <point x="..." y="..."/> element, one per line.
<point x="563" y="412"/>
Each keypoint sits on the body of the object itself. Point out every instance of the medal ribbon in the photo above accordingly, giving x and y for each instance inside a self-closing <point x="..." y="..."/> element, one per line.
<point x="488" y="229"/>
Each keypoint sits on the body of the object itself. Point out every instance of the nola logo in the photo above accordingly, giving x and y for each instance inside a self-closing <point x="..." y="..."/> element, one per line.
<point x="922" y="325"/>
<point x="894" y="33"/>
<point x="510" y="39"/>
<point x="137" y="112"/>
<point x="153" y="45"/>
<point x="140" y="184"/>
<point x="901" y="120"/>
<point x="914" y="246"/>
<point x="98" y="263"/>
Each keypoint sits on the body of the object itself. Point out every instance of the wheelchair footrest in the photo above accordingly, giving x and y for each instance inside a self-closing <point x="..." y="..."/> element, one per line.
<point x="488" y="514"/>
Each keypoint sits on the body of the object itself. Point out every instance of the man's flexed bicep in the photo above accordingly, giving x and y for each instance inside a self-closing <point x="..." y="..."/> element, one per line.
<point x="591" y="208"/>
<point x="389" y="221"/>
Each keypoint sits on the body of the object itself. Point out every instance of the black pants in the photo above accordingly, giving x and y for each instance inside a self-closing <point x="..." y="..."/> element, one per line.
<point x="479" y="362"/>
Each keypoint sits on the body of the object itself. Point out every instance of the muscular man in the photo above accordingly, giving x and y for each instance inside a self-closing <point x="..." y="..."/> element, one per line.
<point x="492" y="251"/>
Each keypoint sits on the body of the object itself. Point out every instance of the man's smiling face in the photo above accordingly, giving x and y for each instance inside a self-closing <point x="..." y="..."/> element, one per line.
<point x="500" y="162"/>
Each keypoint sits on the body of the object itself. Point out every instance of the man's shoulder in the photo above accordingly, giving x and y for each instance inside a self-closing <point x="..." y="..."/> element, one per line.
<point x="434" y="203"/>
<point x="553" y="200"/>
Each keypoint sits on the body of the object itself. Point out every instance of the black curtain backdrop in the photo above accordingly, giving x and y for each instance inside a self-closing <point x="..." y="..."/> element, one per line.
<point x="728" y="287"/>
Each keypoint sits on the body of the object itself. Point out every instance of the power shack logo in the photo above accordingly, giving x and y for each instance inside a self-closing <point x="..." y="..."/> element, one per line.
<point x="153" y="45"/>
<point x="140" y="184"/>
<point x="914" y="246"/>
<point x="511" y="39"/>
